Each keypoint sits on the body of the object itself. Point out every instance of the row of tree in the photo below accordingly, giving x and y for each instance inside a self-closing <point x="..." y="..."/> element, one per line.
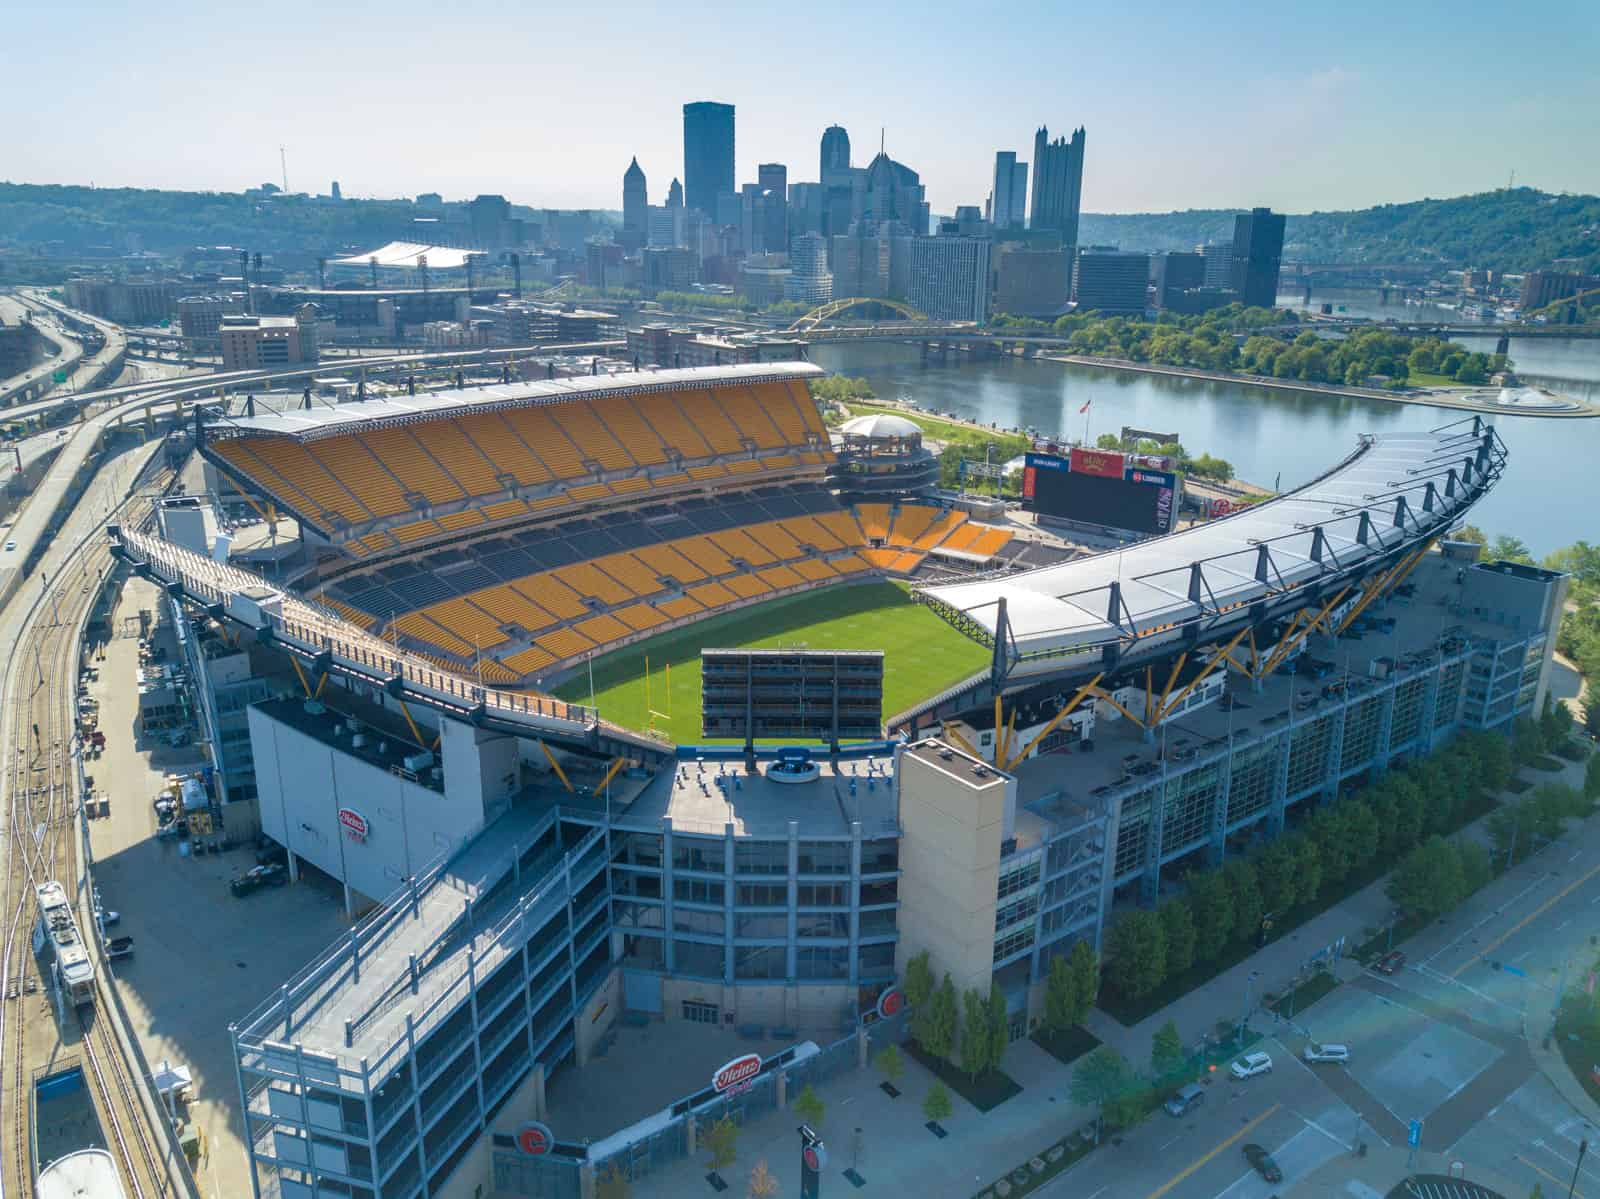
<point x="1205" y="466"/>
<point x="1362" y="356"/>
<point x="976" y="1028"/>
<point x="1240" y="901"/>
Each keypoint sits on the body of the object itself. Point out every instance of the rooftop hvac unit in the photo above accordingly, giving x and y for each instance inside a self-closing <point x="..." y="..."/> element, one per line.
<point x="420" y="761"/>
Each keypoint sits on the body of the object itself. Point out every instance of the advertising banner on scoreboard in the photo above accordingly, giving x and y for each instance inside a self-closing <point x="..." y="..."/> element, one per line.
<point x="1159" y="478"/>
<point x="1104" y="463"/>
<point x="1032" y="464"/>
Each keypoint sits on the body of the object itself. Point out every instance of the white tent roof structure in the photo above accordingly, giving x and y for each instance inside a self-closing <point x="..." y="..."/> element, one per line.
<point x="408" y="255"/>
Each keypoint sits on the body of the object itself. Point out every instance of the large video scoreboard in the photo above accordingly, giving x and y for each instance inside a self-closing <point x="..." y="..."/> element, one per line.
<point x="832" y="695"/>
<point x="1099" y="487"/>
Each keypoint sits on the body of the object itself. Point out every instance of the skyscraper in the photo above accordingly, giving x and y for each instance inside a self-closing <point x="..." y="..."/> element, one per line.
<point x="950" y="278"/>
<point x="635" y="205"/>
<point x="773" y="178"/>
<point x="674" y="194"/>
<point x="835" y="151"/>
<point x="1058" y="183"/>
<point x="707" y="153"/>
<point x="809" y="281"/>
<point x="1257" y="251"/>
<point x="1008" y="202"/>
<point x="895" y="193"/>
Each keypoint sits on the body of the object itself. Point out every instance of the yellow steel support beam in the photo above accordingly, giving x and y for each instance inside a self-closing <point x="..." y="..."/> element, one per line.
<point x="1173" y="677"/>
<point x="321" y="683"/>
<point x="998" y="728"/>
<point x="1216" y="661"/>
<point x="1100" y="693"/>
<point x="1284" y="644"/>
<point x="304" y="682"/>
<point x="556" y="766"/>
<point x="1382" y="584"/>
<point x="962" y="743"/>
<point x="1149" y="695"/>
<point x="416" y="733"/>
<point x="610" y="774"/>
<point x="1011" y="732"/>
<point x="1066" y="710"/>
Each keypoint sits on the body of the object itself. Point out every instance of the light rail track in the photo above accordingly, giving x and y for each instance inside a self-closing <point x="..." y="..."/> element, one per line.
<point x="41" y="843"/>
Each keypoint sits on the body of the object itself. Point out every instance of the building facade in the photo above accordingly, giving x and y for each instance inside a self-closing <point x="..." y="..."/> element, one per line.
<point x="635" y="206"/>
<point x="809" y="281"/>
<point x="707" y="154"/>
<point x="1257" y="253"/>
<point x="1111" y="282"/>
<point x="949" y="278"/>
<point x="1058" y="183"/>
<point x="835" y="154"/>
<point x="261" y="342"/>
<point x="1030" y="282"/>
<point x="1008" y="201"/>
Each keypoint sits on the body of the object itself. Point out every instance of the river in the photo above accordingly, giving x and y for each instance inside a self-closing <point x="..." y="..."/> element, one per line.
<point x="1546" y="497"/>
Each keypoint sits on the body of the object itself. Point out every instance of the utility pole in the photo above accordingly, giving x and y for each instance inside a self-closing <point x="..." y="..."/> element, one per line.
<point x="1583" y="1147"/>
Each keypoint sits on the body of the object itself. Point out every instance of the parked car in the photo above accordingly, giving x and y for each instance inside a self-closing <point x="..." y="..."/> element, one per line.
<point x="120" y="947"/>
<point x="105" y="916"/>
<point x="1327" y="1053"/>
<point x="1185" y="1100"/>
<point x="256" y="877"/>
<point x="1391" y="962"/>
<point x="1250" y="1065"/>
<point x="1261" y="1162"/>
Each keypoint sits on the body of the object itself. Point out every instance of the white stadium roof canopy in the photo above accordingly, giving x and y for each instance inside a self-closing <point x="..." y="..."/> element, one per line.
<point x="408" y="255"/>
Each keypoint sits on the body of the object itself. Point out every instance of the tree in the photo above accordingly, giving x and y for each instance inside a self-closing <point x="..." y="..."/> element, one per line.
<point x="1429" y="880"/>
<point x="939" y="1034"/>
<point x="1275" y="875"/>
<point x="1211" y="906"/>
<point x="721" y="1141"/>
<point x="890" y="1064"/>
<point x="1591" y="774"/>
<point x="1177" y="926"/>
<point x="1476" y="870"/>
<point x="1509" y="549"/>
<point x="1473" y="534"/>
<point x="936" y="1104"/>
<point x="1308" y="870"/>
<point x="612" y="1183"/>
<point x="1241" y="876"/>
<point x="1166" y="1050"/>
<point x="919" y="988"/>
<point x="1492" y="755"/>
<point x="1363" y="833"/>
<point x="1330" y="833"/>
<point x="809" y="1106"/>
<point x="1138" y="954"/>
<point x="763" y="1185"/>
<point x="1084" y="967"/>
<point x="974" y="1034"/>
<point x="1058" y="997"/>
<point x="999" y="1030"/>
<point x="1100" y="1078"/>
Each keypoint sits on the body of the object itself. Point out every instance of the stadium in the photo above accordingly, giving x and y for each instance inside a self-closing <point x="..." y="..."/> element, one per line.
<point x="534" y="870"/>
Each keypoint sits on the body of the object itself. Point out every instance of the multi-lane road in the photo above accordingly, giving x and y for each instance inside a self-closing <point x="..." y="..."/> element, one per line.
<point x="1440" y="1042"/>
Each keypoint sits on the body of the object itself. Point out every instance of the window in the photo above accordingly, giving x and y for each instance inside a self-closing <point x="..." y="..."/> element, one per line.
<point x="639" y="953"/>
<point x="775" y="925"/>
<point x="688" y="920"/>
<point x="760" y="961"/>
<point x="824" y="857"/>
<point x="763" y="895"/>
<point x="698" y="890"/>
<point x="698" y="853"/>
<point x="880" y="857"/>
<point x="701" y="1013"/>
<point x="879" y="923"/>
<point x="761" y="857"/>
<point x="822" y="895"/>
<point x="645" y="886"/>
<point x="823" y="961"/>
<point x="697" y="960"/>
<point x="637" y="915"/>
<point x="637" y="849"/>
<point x="824" y="924"/>
<point x="1016" y="880"/>
<point x="876" y="961"/>
<point x="883" y="891"/>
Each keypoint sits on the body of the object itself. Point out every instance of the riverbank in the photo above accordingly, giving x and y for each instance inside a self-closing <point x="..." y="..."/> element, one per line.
<point x="1466" y="399"/>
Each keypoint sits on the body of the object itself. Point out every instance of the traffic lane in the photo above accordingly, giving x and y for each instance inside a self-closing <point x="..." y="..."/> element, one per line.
<point x="1199" y="1154"/>
<point x="1296" y="1158"/>
<point x="1533" y="1129"/>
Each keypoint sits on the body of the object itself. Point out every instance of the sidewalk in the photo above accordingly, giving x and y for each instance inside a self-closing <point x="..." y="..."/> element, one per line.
<point x="1372" y="1176"/>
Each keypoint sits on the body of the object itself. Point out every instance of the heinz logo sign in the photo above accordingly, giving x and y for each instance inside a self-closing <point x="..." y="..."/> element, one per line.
<point x="740" y="1069"/>
<point x="354" y="824"/>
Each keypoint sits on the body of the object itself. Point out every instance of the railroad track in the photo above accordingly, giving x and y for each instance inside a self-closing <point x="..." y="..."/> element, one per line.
<point x="42" y="798"/>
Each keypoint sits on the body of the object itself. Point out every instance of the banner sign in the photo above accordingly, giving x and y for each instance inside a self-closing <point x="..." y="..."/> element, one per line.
<point x="1104" y="463"/>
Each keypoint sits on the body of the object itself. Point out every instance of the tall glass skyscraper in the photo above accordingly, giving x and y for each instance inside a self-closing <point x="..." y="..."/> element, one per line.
<point x="707" y="154"/>
<point x="1257" y="251"/>
<point x="835" y="151"/>
<point x="1058" y="183"/>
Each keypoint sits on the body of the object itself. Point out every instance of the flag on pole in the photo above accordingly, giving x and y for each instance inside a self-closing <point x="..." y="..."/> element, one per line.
<point x="1085" y="407"/>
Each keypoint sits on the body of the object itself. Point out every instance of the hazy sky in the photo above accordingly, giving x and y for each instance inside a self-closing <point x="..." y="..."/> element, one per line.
<point x="1337" y="104"/>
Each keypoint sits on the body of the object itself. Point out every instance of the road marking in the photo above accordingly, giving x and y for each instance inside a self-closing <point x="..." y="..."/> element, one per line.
<point x="1576" y="855"/>
<point x="1499" y="911"/>
<point x="1576" y="1194"/>
<point x="1197" y="1163"/>
<point x="1526" y="920"/>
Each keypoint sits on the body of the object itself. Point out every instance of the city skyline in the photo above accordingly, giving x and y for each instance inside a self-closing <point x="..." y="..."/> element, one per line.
<point x="1313" y="117"/>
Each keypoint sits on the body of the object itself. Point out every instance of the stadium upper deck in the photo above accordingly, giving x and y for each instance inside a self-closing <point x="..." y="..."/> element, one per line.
<point x="1392" y="495"/>
<point x="379" y="475"/>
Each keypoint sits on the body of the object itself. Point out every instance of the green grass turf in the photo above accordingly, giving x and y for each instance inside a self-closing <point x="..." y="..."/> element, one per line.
<point x="922" y="654"/>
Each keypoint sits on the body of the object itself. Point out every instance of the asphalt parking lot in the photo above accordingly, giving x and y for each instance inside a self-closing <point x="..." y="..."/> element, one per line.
<point x="202" y="957"/>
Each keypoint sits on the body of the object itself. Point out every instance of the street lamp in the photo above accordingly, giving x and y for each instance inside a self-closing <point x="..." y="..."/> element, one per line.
<point x="1249" y="985"/>
<point x="1583" y="1147"/>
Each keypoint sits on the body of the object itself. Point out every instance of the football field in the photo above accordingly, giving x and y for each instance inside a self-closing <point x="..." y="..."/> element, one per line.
<point x="922" y="655"/>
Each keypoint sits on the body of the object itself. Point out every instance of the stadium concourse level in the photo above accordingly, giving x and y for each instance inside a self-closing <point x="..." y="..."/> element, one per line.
<point x="377" y="476"/>
<point x="527" y="602"/>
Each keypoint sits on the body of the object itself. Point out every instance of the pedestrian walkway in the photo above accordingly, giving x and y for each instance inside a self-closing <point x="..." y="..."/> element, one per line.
<point x="1383" y="1168"/>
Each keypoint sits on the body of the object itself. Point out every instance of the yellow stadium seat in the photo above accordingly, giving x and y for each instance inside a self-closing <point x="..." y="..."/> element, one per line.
<point x="746" y="586"/>
<point x="624" y="423"/>
<point x="662" y="413"/>
<point x="707" y="416"/>
<point x="874" y="520"/>
<point x="682" y="606"/>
